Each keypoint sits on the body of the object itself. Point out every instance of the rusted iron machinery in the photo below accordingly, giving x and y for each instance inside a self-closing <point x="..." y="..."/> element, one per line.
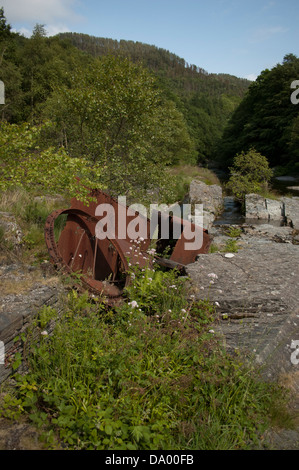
<point x="103" y="263"/>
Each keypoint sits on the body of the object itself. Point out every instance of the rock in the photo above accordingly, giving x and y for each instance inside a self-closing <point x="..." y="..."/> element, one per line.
<point x="254" y="233"/>
<point x="284" y="210"/>
<point x="257" y="207"/>
<point x="24" y="291"/>
<point x="210" y="196"/>
<point x="291" y="211"/>
<point x="257" y="293"/>
<point x="275" y="209"/>
<point x="12" y="234"/>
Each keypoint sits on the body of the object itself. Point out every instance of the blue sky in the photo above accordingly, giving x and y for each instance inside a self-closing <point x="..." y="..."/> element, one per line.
<point x="239" y="37"/>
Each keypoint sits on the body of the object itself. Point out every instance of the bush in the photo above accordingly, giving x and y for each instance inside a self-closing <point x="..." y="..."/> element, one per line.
<point x="250" y="173"/>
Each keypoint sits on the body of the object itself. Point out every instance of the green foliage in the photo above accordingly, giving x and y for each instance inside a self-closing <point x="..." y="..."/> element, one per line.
<point x="24" y="164"/>
<point x="123" y="123"/>
<point x="250" y="173"/>
<point x="147" y="374"/>
<point x="266" y="119"/>
<point x="195" y="108"/>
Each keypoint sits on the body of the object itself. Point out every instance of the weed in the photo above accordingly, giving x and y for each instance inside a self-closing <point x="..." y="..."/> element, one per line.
<point x="146" y="374"/>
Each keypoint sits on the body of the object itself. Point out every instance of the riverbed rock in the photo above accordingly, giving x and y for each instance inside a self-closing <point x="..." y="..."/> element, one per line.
<point x="291" y="211"/>
<point x="257" y="302"/>
<point x="257" y="207"/>
<point x="210" y="196"/>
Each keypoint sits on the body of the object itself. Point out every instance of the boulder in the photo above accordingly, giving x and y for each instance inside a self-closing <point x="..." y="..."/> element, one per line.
<point x="291" y="211"/>
<point x="211" y="198"/>
<point x="257" y="207"/>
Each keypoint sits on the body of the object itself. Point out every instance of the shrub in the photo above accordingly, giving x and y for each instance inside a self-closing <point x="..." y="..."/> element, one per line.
<point x="250" y="173"/>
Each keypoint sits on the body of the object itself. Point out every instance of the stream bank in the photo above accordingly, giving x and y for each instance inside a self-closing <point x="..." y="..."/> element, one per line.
<point x="255" y="292"/>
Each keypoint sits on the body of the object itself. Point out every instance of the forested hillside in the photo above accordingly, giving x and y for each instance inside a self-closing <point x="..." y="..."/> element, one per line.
<point x="267" y="119"/>
<point x="206" y="100"/>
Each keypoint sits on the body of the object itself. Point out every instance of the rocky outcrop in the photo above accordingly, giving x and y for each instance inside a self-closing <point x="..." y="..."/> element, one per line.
<point x="210" y="196"/>
<point x="284" y="210"/>
<point x="291" y="211"/>
<point x="255" y="293"/>
<point x="24" y="290"/>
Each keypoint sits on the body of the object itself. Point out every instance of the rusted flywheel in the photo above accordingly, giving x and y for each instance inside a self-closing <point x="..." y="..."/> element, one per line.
<point x="103" y="264"/>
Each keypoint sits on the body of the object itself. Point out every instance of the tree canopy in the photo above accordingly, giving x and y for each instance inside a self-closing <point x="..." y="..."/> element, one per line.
<point x="266" y="119"/>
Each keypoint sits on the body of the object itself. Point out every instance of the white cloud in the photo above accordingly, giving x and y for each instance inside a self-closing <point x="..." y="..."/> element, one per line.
<point x="252" y="77"/>
<point x="40" y="11"/>
<point x="263" y="34"/>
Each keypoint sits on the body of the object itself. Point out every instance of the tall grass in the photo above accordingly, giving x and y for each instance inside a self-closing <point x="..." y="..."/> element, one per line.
<point x="184" y="174"/>
<point x="147" y="374"/>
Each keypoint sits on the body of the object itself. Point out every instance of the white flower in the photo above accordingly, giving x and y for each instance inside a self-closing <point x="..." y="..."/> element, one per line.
<point x="217" y="304"/>
<point x="213" y="275"/>
<point x="141" y="239"/>
<point x="44" y="333"/>
<point x="211" y="331"/>
<point x="183" y="310"/>
<point x="169" y="311"/>
<point x="133" y="304"/>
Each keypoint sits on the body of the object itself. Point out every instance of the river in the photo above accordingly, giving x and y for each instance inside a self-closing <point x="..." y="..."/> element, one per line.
<point x="232" y="215"/>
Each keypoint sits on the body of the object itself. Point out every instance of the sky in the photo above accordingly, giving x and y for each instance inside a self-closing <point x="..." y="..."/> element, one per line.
<point x="238" y="37"/>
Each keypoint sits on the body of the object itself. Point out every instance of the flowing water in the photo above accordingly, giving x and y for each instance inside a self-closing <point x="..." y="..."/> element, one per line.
<point x="232" y="215"/>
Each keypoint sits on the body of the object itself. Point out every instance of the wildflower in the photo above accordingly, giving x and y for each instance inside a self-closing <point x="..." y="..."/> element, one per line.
<point x="211" y="331"/>
<point x="213" y="275"/>
<point x="183" y="310"/>
<point x="217" y="304"/>
<point x="169" y="311"/>
<point x="133" y="304"/>
<point x="44" y="333"/>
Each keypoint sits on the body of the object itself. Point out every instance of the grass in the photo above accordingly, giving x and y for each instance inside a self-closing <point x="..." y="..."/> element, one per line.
<point x="184" y="174"/>
<point x="147" y="374"/>
<point x="31" y="212"/>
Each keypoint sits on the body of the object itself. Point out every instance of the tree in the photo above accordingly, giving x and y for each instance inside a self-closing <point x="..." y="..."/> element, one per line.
<point x="250" y="173"/>
<point x="5" y="28"/>
<point x="114" y="114"/>
<point x="24" y="163"/>
<point x="265" y="117"/>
